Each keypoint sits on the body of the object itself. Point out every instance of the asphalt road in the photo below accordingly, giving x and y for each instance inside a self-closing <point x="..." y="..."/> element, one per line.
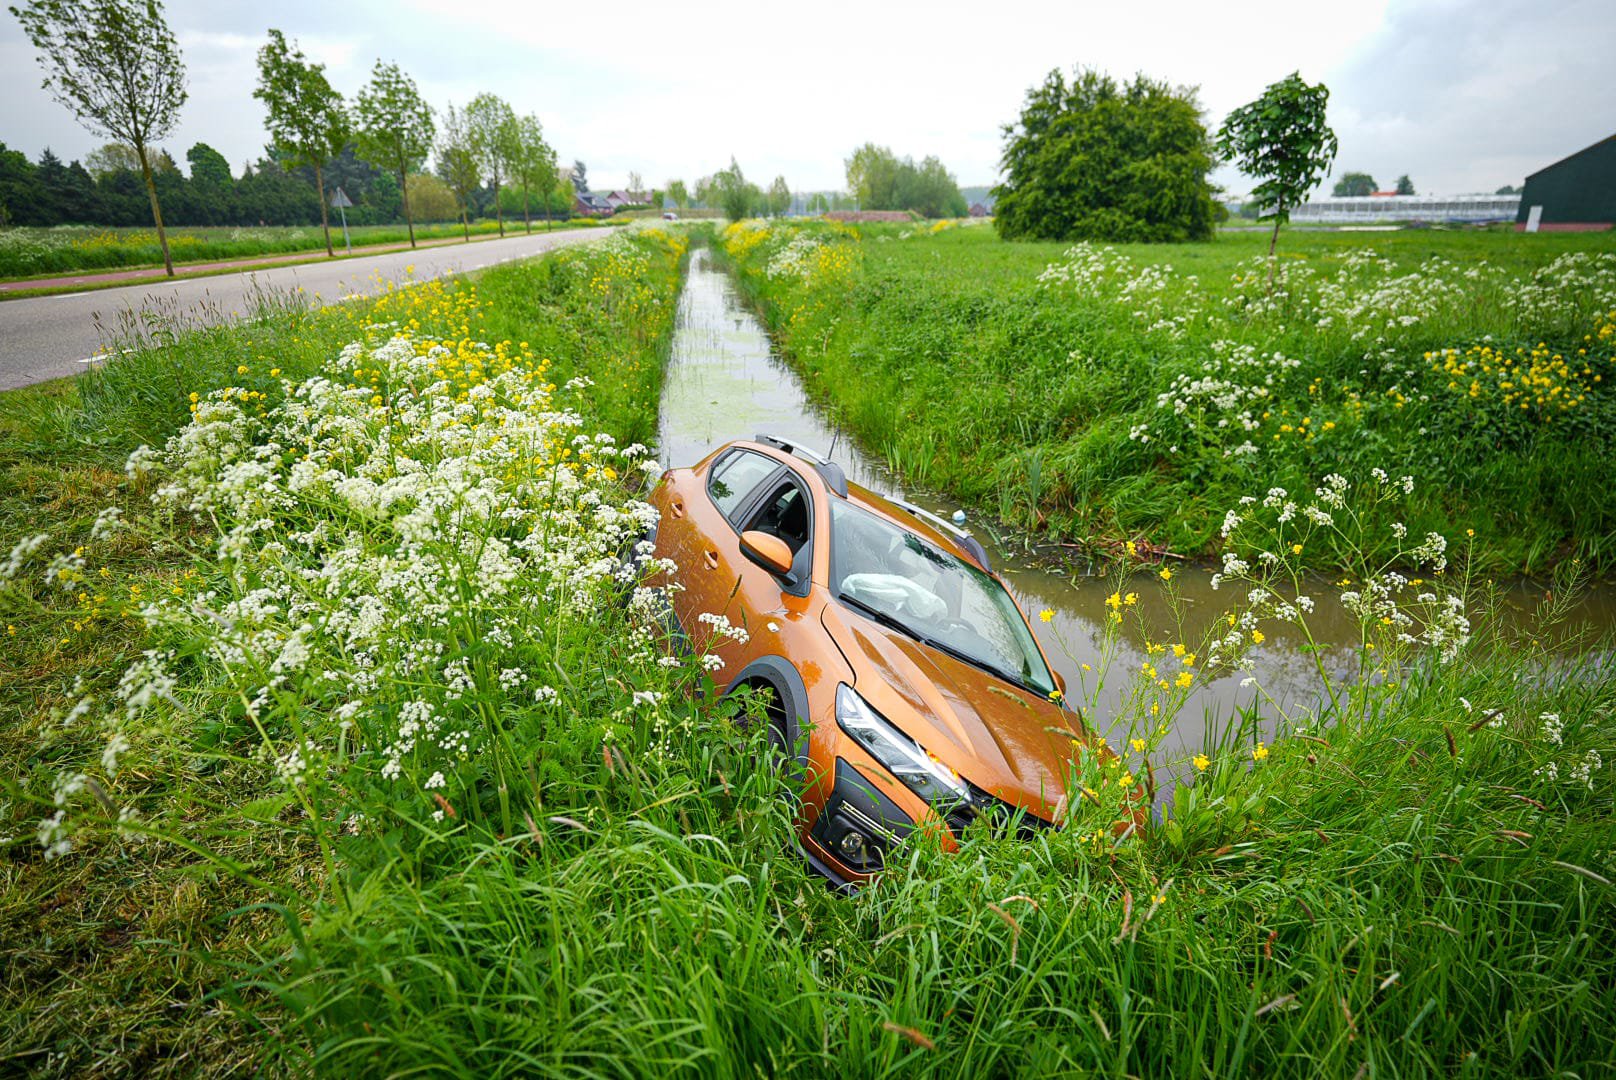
<point x="50" y="336"/>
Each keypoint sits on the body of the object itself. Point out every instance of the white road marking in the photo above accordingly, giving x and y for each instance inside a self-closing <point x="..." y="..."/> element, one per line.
<point x="103" y="356"/>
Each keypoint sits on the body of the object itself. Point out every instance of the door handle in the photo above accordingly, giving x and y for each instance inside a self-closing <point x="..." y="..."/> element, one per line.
<point x="677" y="509"/>
<point x="711" y="559"/>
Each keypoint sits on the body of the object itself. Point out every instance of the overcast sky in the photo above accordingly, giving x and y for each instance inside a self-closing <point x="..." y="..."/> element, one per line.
<point x="1462" y="96"/>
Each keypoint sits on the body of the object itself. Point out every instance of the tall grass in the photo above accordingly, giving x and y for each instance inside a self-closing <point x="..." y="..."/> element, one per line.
<point x="1157" y="385"/>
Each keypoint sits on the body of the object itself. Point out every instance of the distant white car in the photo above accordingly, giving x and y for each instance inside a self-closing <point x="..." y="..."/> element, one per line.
<point x="669" y="215"/>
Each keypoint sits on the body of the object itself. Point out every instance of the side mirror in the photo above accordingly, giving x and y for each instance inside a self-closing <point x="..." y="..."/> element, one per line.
<point x="1060" y="682"/>
<point x="769" y="552"/>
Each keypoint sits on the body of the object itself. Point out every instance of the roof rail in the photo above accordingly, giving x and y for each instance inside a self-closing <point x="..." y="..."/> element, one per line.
<point x="970" y="543"/>
<point x="827" y="469"/>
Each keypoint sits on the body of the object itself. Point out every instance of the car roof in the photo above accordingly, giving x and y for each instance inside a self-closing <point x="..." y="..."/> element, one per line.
<point x="900" y="513"/>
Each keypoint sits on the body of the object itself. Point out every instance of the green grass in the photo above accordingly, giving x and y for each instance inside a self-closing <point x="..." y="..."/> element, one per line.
<point x="1404" y="891"/>
<point x="944" y="354"/>
<point x="32" y="253"/>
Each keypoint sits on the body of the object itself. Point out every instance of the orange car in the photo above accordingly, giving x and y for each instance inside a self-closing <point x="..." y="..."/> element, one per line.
<point x="897" y="664"/>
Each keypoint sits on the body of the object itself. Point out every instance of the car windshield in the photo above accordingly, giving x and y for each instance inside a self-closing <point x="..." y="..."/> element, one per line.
<point x="903" y="580"/>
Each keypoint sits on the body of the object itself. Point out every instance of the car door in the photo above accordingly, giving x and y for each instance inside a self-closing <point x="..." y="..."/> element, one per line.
<point x="709" y="553"/>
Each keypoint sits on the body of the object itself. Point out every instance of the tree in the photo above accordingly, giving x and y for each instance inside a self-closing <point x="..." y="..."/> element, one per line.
<point x="779" y="196"/>
<point x="495" y="140"/>
<point x="1092" y="159"/>
<point x="116" y="65"/>
<point x="534" y="165"/>
<point x="307" y="121"/>
<point x="1355" y="185"/>
<point x="735" y="194"/>
<point x="1283" y="139"/>
<point x="636" y="183"/>
<point x="1507" y="190"/>
<point x="458" y="162"/>
<point x="580" y="177"/>
<point x="395" y="128"/>
<point x="1405" y="186"/>
<point x="659" y="199"/>
<point x="110" y="158"/>
<point x="678" y="194"/>
<point x="872" y="177"/>
<point x="818" y="204"/>
<point x="432" y="198"/>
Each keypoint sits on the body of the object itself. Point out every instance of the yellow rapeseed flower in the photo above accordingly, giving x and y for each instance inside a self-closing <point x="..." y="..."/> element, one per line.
<point x="1202" y="761"/>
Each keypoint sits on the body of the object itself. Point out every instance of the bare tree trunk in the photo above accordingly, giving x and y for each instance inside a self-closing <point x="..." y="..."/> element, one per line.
<point x="325" y="217"/>
<point x="465" y="225"/>
<point x="156" y="211"/>
<point x="527" y="222"/>
<point x="404" y="192"/>
<point x="499" y="211"/>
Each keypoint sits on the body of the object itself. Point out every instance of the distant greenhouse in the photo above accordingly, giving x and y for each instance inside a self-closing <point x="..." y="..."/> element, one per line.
<point x="1456" y="208"/>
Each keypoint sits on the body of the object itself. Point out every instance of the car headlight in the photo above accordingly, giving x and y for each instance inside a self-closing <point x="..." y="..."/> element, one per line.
<point x="902" y="756"/>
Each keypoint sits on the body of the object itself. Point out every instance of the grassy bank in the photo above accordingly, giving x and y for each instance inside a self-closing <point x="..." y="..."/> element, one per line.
<point x="29" y="253"/>
<point x="1135" y="393"/>
<point x="363" y="757"/>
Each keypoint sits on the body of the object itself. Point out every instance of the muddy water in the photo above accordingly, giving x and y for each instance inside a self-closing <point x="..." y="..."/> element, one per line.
<point x="725" y="382"/>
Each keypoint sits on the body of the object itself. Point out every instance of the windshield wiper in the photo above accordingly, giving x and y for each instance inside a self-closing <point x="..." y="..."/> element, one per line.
<point x="978" y="662"/>
<point x="881" y="617"/>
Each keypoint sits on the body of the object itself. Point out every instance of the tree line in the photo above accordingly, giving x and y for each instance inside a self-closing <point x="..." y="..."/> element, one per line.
<point x="117" y="66"/>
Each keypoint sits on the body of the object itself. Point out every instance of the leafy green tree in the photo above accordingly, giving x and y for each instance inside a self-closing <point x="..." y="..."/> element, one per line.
<point x="395" y="128"/>
<point x="636" y="183"/>
<point x="1507" y="190"/>
<point x="779" y="196"/>
<point x="433" y="199"/>
<point x="735" y="194"/>
<point x="1355" y="185"/>
<point x="307" y="121"/>
<point x="495" y="140"/>
<point x="1405" y="186"/>
<point x="678" y="194"/>
<point x="1281" y="138"/>
<point x="872" y="177"/>
<point x="110" y="158"/>
<point x="659" y="199"/>
<point x="116" y="65"/>
<point x="1092" y="159"/>
<point x="458" y="162"/>
<point x="818" y="204"/>
<point x="534" y="166"/>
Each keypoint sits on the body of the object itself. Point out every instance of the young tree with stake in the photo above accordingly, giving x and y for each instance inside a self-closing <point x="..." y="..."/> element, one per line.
<point x="395" y="128"/>
<point x="116" y="65"/>
<point x="491" y="126"/>
<point x="1283" y="139"/>
<point x="307" y="121"/>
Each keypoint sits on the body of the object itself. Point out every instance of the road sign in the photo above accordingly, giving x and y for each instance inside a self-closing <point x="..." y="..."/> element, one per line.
<point x="340" y="200"/>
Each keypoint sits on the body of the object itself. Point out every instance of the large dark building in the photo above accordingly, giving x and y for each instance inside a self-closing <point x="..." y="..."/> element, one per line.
<point x="1578" y="192"/>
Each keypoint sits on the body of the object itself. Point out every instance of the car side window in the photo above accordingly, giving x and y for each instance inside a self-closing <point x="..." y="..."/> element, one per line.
<point x="784" y="513"/>
<point x="735" y="479"/>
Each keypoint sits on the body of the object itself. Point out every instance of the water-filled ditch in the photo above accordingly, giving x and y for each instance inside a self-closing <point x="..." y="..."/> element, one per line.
<point x="724" y="381"/>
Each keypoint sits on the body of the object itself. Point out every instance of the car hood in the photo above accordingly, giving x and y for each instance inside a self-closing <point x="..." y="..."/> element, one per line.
<point x="1006" y="741"/>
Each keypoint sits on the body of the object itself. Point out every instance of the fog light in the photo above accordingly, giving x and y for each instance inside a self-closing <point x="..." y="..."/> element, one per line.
<point x="852" y="845"/>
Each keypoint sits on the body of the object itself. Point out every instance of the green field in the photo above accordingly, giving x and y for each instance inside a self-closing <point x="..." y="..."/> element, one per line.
<point x="342" y="748"/>
<point x="1138" y="392"/>
<point x="67" y="249"/>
